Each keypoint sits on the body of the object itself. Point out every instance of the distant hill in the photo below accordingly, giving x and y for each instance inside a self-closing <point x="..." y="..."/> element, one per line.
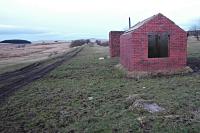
<point x="16" y="41"/>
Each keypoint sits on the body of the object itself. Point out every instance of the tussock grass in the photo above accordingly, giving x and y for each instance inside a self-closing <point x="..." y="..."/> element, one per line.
<point x="61" y="101"/>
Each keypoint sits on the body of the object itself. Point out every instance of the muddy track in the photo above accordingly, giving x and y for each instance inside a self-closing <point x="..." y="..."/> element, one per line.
<point x="11" y="81"/>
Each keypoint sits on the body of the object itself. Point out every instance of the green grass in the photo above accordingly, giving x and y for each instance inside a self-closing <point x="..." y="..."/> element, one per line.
<point x="194" y="48"/>
<point x="13" y="67"/>
<point x="59" y="102"/>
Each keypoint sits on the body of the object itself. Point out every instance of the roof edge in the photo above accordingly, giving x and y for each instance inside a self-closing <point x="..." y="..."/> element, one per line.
<point x="139" y="24"/>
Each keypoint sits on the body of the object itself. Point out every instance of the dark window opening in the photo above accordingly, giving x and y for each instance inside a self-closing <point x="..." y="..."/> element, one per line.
<point x="158" y="45"/>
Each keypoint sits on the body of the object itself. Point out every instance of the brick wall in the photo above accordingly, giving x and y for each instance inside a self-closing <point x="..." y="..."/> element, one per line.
<point x="114" y="43"/>
<point x="134" y="47"/>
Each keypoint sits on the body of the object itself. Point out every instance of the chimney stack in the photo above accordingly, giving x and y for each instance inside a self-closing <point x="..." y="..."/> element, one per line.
<point x="129" y="22"/>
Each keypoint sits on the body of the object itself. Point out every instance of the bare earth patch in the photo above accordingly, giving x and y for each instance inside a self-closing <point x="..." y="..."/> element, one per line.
<point x="137" y="103"/>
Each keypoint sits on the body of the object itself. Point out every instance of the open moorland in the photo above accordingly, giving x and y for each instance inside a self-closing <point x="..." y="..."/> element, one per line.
<point x="86" y="93"/>
<point x="14" y="56"/>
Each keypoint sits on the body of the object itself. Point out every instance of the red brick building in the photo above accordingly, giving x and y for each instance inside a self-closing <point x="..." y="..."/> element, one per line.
<point x="114" y="43"/>
<point x="154" y="44"/>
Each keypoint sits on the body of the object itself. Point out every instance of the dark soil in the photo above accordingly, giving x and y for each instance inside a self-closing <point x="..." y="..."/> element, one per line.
<point x="11" y="81"/>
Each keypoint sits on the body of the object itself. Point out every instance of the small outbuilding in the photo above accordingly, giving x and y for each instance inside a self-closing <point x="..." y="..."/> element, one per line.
<point x="156" y="43"/>
<point x="114" y="43"/>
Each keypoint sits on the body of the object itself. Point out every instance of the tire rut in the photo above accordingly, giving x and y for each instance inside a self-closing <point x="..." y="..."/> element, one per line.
<point x="11" y="81"/>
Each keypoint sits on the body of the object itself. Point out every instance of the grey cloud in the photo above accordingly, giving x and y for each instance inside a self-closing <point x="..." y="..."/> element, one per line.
<point x="13" y="30"/>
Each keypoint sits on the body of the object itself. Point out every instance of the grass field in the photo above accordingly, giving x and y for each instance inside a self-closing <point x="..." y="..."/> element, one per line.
<point x="89" y="95"/>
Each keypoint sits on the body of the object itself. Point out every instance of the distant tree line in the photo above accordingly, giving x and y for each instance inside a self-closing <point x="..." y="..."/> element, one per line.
<point x="194" y="33"/>
<point x="102" y="43"/>
<point x="16" y="41"/>
<point x="195" y="29"/>
<point x="81" y="42"/>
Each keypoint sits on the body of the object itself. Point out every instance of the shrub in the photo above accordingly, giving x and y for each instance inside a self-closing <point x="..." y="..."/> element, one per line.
<point x="105" y="44"/>
<point x="21" y="46"/>
<point x="87" y="41"/>
<point x="79" y="42"/>
<point x="100" y="43"/>
<point x="76" y="43"/>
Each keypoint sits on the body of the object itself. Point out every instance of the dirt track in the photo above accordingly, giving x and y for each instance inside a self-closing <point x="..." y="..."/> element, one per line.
<point x="11" y="81"/>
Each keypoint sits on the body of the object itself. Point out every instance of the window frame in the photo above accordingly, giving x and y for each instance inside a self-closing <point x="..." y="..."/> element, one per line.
<point x="159" y="36"/>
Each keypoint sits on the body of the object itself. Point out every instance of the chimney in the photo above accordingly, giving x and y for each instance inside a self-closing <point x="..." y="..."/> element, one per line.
<point x="129" y="22"/>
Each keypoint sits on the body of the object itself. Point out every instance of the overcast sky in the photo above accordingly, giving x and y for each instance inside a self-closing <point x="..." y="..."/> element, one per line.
<point x="73" y="19"/>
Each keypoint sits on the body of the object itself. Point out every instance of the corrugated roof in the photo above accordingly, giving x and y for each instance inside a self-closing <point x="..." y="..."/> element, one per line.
<point x="139" y="24"/>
